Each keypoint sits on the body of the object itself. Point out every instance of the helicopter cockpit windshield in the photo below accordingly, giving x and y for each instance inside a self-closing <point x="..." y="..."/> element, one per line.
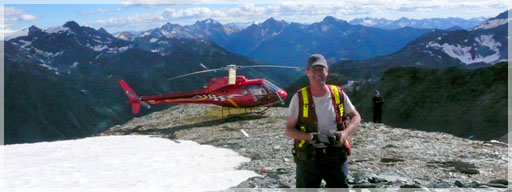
<point x="271" y="87"/>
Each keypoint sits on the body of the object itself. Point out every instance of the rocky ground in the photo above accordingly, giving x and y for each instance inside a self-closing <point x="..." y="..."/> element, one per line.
<point x="383" y="156"/>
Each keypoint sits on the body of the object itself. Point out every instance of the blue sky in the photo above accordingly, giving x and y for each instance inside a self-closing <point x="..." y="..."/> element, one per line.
<point x="138" y="15"/>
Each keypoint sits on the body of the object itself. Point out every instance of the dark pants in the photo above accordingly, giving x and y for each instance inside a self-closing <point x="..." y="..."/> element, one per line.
<point x="318" y="164"/>
<point x="377" y="116"/>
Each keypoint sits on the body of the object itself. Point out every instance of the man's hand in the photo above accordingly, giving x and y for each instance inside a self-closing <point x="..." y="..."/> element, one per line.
<point x="341" y="136"/>
<point x="320" y="138"/>
<point x="333" y="140"/>
<point x="327" y="140"/>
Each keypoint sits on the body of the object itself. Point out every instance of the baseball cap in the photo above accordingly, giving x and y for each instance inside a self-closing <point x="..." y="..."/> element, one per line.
<point x="316" y="59"/>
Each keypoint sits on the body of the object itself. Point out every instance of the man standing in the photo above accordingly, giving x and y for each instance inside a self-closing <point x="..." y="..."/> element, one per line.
<point x="316" y="120"/>
<point x="378" y="101"/>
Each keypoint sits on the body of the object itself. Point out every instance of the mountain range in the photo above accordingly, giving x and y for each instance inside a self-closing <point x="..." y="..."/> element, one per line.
<point x="448" y="24"/>
<point x="284" y="43"/>
<point x="480" y="46"/>
<point x="61" y="82"/>
<point x="289" y="44"/>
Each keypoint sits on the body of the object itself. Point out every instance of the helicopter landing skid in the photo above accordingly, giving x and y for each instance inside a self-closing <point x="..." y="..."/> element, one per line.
<point x="260" y="112"/>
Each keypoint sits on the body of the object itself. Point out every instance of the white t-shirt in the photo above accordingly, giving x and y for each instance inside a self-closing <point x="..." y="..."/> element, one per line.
<point x="324" y="111"/>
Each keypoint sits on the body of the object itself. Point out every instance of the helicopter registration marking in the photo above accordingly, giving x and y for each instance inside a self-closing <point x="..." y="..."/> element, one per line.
<point x="216" y="97"/>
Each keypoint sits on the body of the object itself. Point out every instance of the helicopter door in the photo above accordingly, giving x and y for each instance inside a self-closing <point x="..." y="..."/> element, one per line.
<point x="259" y="93"/>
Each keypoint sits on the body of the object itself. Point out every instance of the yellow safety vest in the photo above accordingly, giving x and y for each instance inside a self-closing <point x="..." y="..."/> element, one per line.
<point x="307" y="120"/>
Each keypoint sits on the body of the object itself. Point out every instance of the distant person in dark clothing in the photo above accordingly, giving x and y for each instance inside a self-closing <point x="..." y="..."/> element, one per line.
<point x="378" y="101"/>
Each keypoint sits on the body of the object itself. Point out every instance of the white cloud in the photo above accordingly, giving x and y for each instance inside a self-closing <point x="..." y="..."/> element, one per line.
<point x="94" y="11"/>
<point x="305" y="11"/>
<point x="13" y="15"/>
<point x="441" y="3"/>
<point x="9" y="17"/>
<point x="155" y="2"/>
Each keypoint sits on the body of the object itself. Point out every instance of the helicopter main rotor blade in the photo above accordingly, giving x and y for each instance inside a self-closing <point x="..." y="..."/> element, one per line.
<point x="197" y="72"/>
<point x="275" y="66"/>
<point x="232" y="67"/>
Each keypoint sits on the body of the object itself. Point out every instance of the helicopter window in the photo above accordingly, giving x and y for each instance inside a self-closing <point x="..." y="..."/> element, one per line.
<point x="257" y="90"/>
<point x="271" y="87"/>
<point x="244" y="91"/>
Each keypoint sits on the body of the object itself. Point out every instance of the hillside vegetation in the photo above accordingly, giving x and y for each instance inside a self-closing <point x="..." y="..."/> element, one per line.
<point x="465" y="103"/>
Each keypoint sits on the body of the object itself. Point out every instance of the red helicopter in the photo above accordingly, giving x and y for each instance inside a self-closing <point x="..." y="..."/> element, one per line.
<point x="232" y="91"/>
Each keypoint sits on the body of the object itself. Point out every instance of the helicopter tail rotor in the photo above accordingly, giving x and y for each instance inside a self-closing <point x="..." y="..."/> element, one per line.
<point x="135" y="100"/>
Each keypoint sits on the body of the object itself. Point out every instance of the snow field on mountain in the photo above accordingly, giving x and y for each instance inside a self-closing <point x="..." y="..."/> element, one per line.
<point x="122" y="162"/>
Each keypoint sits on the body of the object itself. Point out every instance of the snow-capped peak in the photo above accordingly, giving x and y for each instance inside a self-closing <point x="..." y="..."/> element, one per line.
<point x="18" y="33"/>
<point x="208" y="21"/>
<point x="56" y="29"/>
<point x="125" y="36"/>
<point x="492" y="23"/>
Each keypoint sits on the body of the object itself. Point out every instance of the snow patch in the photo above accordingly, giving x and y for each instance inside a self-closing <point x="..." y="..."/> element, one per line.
<point x="166" y="33"/>
<point x="488" y="41"/>
<point x="97" y="47"/>
<point x="123" y="49"/>
<point x="56" y="29"/>
<point x="492" y="24"/>
<point x="25" y="44"/>
<point x="19" y="33"/>
<point x="97" y="40"/>
<point x="50" y="68"/>
<point x="123" y="37"/>
<point x="368" y="22"/>
<point x="325" y="28"/>
<point x="429" y="52"/>
<point x="74" y="64"/>
<point x="463" y="53"/>
<point x="501" y="60"/>
<point x="97" y="57"/>
<point x="152" y="40"/>
<point x="145" y="34"/>
<point x="47" y="55"/>
<point x="131" y="162"/>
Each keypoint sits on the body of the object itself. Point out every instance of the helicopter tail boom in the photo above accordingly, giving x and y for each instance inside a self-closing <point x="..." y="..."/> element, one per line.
<point x="135" y="100"/>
